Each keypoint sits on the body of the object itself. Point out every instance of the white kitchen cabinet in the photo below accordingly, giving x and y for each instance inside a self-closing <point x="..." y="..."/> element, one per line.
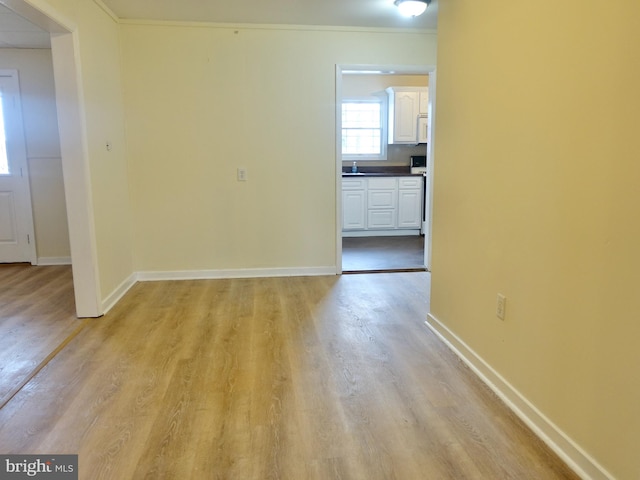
<point x="409" y="211"/>
<point x="382" y="205"/>
<point x="423" y="101"/>
<point x="406" y="105"/>
<point x="410" y="202"/>
<point x="382" y="199"/>
<point x="423" y="129"/>
<point x="354" y="204"/>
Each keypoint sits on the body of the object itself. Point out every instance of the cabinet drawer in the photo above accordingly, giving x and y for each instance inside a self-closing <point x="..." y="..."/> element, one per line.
<point x="377" y="219"/>
<point x="384" y="183"/>
<point x="353" y="183"/>
<point x="411" y="182"/>
<point x="381" y="198"/>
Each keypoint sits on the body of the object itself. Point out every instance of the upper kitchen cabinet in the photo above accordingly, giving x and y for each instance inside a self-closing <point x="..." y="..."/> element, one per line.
<point x="408" y="108"/>
<point x="423" y="101"/>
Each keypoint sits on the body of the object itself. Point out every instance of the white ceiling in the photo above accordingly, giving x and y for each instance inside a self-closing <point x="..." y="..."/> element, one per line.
<point x="16" y="32"/>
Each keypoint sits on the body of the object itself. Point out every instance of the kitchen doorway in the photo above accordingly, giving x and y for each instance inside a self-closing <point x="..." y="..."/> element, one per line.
<point x="367" y="251"/>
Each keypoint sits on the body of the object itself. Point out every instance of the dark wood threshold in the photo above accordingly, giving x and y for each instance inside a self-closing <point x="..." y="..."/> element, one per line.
<point x="385" y="270"/>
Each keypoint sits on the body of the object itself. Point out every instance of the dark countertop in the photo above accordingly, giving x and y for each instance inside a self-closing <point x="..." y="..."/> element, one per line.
<point x="380" y="172"/>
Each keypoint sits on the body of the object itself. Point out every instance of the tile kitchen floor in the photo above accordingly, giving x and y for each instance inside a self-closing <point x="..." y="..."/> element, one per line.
<point x="382" y="253"/>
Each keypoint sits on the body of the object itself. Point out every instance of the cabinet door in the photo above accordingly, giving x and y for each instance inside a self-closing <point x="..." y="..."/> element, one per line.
<point x="353" y="210"/>
<point x="405" y="117"/>
<point x="423" y="130"/>
<point x="410" y="208"/>
<point x="424" y="101"/>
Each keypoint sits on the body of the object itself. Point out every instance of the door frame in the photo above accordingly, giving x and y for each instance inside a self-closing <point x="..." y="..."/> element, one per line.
<point x="25" y="216"/>
<point x="65" y="51"/>
<point x="430" y="71"/>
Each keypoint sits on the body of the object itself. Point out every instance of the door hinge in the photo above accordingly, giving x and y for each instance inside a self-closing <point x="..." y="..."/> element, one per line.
<point x="28" y="239"/>
<point x="21" y="173"/>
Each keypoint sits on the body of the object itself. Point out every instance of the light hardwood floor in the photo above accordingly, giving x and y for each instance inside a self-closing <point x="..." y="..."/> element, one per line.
<point x="37" y="316"/>
<point x="289" y="378"/>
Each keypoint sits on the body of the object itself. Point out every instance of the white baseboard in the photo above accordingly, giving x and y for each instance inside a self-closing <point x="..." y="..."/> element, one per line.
<point x="577" y="459"/>
<point x="46" y="261"/>
<point x="109" y="302"/>
<point x="113" y="298"/>
<point x="236" y="273"/>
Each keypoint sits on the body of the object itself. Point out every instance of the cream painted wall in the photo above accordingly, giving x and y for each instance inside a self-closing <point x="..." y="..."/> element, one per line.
<point x="357" y="85"/>
<point x="98" y="56"/>
<point x="536" y="196"/>
<point x="203" y="101"/>
<point x="37" y="92"/>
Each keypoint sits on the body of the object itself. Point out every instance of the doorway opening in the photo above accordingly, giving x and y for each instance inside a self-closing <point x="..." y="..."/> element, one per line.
<point x="73" y="141"/>
<point x="383" y="211"/>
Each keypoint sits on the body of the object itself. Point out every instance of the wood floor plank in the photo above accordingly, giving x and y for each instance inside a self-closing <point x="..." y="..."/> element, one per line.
<point x="283" y="378"/>
<point x="37" y="314"/>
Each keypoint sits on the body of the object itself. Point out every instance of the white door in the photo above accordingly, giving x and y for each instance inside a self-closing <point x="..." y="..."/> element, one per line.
<point x="17" y="243"/>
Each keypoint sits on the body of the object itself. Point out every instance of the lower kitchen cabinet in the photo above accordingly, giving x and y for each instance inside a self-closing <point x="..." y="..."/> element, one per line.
<point x="354" y="209"/>
<point x="410" y="203"/>
<point x="382" y="200"/>
<point x="374" y="206"/>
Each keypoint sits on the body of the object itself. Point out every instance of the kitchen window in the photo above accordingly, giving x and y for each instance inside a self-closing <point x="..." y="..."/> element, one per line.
<point x="364" y="133"/>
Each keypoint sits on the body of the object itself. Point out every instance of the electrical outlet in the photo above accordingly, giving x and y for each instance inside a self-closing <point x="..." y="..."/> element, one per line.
<point x="242" y="174"/>
<point x="501" y="306"/>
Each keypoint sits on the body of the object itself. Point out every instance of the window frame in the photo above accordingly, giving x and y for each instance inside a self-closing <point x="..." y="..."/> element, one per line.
<point x="382" y="101"/>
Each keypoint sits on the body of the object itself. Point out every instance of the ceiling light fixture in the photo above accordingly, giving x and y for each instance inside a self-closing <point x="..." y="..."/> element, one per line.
<point x="412" y="8"/>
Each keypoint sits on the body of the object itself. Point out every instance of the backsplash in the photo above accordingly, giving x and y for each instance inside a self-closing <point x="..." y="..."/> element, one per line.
<point x="397" y="155"/>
